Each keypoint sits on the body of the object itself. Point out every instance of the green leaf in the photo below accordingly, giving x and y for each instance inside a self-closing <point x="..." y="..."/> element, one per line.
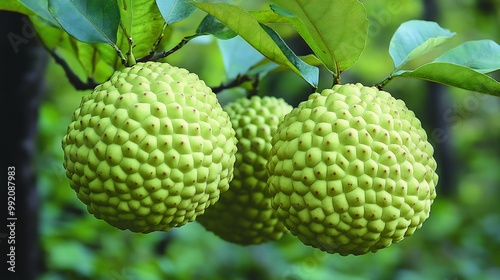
<point x="40" y="8"/>
<point x="80" y="257"/>
<point x="89" y="62"/>
<point x="14" y="6"/>
<point x="126" y="16"/>
<point x="263" y="67"/>
<point x="91" y="21"/>
<point x="147" y="27"/>
<point x="245" y="25"/>
<point x="336" y="30"/>
<point x="235" y="63"/>
<point x="311" y="59"/>
<point x="269" y="16"/>
<point x="175" y="10"/>
<point x="211" y="25"/>
<point x="266" y="66"/>
<point x="454" y="75"/>
<point x="141" y="20"/>
<point x="415" y="38"/>
<point x="482" y="56"/>
<point x="308" y="72"/>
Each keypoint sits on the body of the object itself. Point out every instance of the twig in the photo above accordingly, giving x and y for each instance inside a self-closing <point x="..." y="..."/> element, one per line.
<point x="238" y="81"/>
<point x="155" y="56"/>
<point x="156" y="45"/>
<point x="336" y="75"/>
<point x="72" y="77"/>
<point x="255" y="86"/>
<point x="382" y="84"/>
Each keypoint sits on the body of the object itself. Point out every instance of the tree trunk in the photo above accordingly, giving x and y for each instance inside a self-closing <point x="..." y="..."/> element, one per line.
<point x="22" y="74"/>
<point x="438" y="102"/>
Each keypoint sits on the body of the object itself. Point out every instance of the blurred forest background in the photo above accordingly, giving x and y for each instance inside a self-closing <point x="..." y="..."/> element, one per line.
<point x="460" y="240"/>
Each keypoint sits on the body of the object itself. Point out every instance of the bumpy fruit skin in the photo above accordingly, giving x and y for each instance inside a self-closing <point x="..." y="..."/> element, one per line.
<point x="150" y="149"/>
<point x="244" y="215"/>
<point x="351" y="170"/>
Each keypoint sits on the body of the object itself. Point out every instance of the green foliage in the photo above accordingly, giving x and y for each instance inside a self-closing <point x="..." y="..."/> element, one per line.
<point x="174" y="11"/>
<point x="126" y="16"/>
<point x="89" y="63"/>
<point x="212" y="26"/>
<point x="335" y="30"/>
<point x="145" y="28"/>
<point x="463" y="77"/>
<point x="482" y="56"/>
<point x="97" y="20"/>
<point x="468" y="62"/>
<point x="308" y="72"/>
<point x="263" y="39"/>
<point x="38" y="8"/>
<point x="414" y="39"/>
<point x="234" y="63"/>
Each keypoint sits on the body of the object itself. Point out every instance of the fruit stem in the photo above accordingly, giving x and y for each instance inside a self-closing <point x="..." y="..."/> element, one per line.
<point x="130" y="55"/>
<point x="122" y="57"/>
<point x="336" y="79"/>
<point x="382" y="84"/>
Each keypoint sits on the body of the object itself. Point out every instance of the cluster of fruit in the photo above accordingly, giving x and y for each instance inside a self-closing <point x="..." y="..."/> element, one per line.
<point x="347" y="171"/>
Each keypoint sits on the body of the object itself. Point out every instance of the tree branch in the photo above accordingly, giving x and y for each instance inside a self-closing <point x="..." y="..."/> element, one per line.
<point x="382" y="84"/>
<point x="72" y="77"/>
<point x="155" y="56"/>
<point x="238" y="81"/>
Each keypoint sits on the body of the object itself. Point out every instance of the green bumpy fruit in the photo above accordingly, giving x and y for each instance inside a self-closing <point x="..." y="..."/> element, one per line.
<point x="150" y="149"/>
<point x="244" y="215"/>
<point x="351" y="170"/>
